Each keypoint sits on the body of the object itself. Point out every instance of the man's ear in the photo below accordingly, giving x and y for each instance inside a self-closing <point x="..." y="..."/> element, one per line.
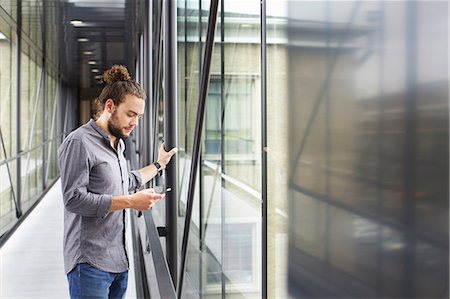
<point x="109" y="106"/>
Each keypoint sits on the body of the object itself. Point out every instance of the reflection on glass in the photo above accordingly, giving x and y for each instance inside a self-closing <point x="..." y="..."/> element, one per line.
<point x="225" y="237"/>
<point x="189" y="65"/>
<point x="368" y="127"/>
<point x="242" y="150"/>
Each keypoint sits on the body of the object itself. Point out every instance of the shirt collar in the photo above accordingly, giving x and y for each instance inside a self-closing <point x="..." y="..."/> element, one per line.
<point x="102" y="132"/>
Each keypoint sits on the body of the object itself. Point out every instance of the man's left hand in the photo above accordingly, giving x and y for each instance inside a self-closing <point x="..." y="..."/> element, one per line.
<point x="164" y="157"/>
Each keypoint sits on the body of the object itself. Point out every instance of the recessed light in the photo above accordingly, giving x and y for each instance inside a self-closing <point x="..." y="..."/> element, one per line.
<point x="83" y="39"/>
<point x="95" y="70"/>
<point x="92" y="62"/>
<point x="76" y="22"/>
<point x="88" y="52"/>
<point x="98" y="77"/>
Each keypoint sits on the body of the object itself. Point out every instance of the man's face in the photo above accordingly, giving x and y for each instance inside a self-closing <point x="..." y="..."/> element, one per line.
<point x="126" y="116"/>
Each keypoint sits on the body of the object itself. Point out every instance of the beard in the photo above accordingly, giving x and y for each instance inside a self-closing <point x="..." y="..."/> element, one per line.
<point x="114" y="127"/>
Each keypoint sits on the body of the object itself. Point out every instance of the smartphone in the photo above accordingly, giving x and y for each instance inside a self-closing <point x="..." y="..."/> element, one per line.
<point x="160" y="189"/>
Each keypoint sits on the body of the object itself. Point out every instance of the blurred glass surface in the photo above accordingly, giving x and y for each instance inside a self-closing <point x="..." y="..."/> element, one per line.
<point x="368" y="149"/>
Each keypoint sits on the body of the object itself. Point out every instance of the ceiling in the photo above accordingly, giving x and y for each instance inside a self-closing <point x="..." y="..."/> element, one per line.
<point x="96" y="35"/>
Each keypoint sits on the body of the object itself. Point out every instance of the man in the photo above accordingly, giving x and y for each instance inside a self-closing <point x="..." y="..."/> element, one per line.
<point x="96" y="185"/>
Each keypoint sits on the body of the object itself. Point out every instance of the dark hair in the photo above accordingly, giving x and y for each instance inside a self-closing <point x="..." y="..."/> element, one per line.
<point x="118" y="85"/>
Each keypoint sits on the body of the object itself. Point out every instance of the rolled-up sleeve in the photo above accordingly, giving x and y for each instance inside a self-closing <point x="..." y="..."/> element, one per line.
<point x="134" y="180"/>
<point x="75" y="165"/>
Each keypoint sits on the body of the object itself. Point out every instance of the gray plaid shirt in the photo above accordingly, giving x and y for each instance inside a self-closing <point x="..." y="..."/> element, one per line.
<point x="91" y="173"/>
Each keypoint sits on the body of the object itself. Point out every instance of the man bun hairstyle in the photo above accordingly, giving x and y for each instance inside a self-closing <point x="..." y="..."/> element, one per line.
<point x="116" y="73"/>
<point x="118" y="84"/>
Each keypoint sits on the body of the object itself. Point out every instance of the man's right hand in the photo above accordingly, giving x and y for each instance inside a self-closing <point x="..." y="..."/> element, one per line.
<point x="145" y="199"/>
<point x="141" y="201"/>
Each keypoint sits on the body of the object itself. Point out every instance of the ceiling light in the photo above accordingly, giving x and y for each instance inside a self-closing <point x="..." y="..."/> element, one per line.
<point x="92" y="62"/>
<point x="76" y="22"/>
<point x="2" y="36"/>
<point x="95" y="70"/>
<point x="98" y="77"/>
<point x="88" y="52"/>
<point x="83" y="39"/>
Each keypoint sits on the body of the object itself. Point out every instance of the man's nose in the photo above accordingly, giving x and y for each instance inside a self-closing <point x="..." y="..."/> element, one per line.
<point x="134" y="121"/>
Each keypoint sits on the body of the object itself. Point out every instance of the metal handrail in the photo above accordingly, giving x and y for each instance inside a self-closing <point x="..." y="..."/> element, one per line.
<point x="209" y="45"/>
<point x="165" y="283"/>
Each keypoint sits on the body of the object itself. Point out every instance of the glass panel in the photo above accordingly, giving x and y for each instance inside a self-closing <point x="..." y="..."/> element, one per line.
<point x="51" y="26"/>
<point x="242" y="150"/>
<point x="31" y="178"/>
<point x="51" y="124"/>
<point x="8" y="198"/>
<point x="10" y="6"/>
<point x="31" y="126"/>
<point x="32" y="20"/>
<point x="8" y="89"/>
<point x="8" y="125"/>
<point x="211" y="169"/>
<point x="368" y="143"/>
<point x="31" y="105"/>
<point x="188" y="78"/>
<point x="242" y="92"/>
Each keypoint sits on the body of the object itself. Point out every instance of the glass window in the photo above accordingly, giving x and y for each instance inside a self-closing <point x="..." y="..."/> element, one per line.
<point x="8" y="126"/>
<point x="31" y="118"/>
<point x="225" y="237"/>
<point x="368" y="142"/>
<point x="10" y="6"/>
<point x="7" y="90"/>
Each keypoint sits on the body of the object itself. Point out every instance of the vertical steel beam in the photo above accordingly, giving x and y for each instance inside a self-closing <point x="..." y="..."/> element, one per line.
<point x="44" y="93"/>
<point x="170" y="131"/>
<point x="18" y="110"/>
<point x="222" y="145"/>
<point x="148" y="77"/>
<point x="200" y="197"/>
<point x="157" y="66"/>
<point x="209" y="45"/>
<point x="264" y="149"/>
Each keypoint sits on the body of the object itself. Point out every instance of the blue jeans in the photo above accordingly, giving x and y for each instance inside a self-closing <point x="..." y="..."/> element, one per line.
<point x="88" y="282"/>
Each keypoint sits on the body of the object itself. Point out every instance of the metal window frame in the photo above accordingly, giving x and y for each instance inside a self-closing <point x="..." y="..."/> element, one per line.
<point x="264" y="201"/>
<point x="170" y="131"/>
